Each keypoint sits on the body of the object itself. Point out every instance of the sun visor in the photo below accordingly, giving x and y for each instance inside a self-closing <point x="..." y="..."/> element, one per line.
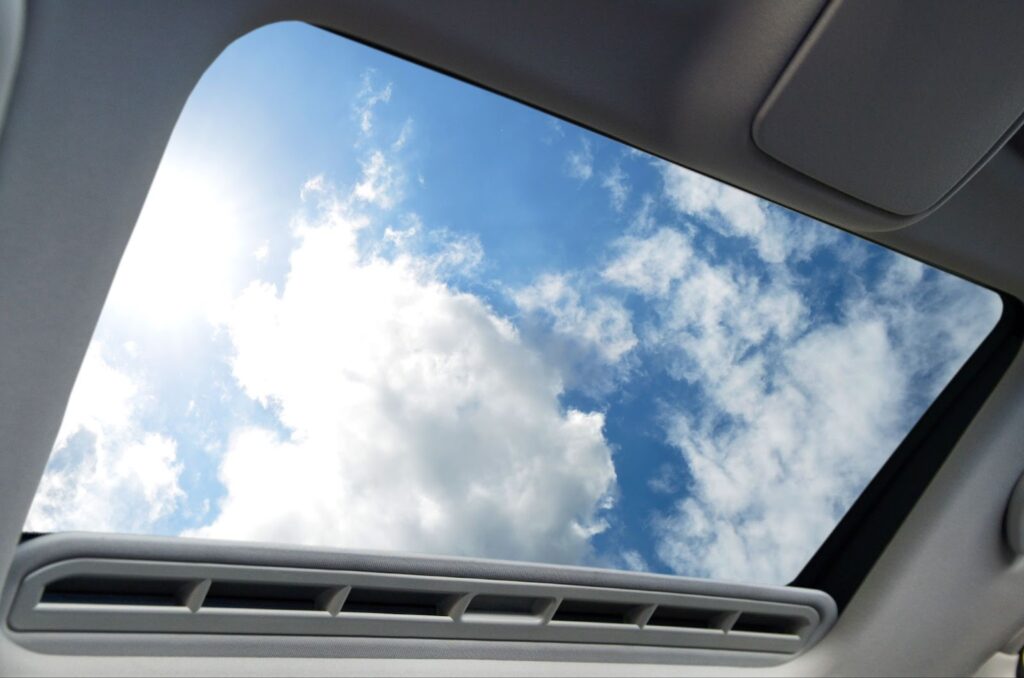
<point x="898" y="103"/>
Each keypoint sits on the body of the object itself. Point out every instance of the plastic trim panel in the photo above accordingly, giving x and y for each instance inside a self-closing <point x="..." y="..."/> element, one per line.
<point x="732" y="615"/>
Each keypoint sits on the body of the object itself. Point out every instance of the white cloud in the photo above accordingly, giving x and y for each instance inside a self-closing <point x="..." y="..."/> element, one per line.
<point x="634" y="561"/>
<point x="419" y="420"/>
<point x="794" y="418"/>
<point x="261" y="253"/>
<point x="601" y="322"/>
<point x="190" y="221"/>
<point x="580" y="163"/>
<point x="102" y="398"/>
<point x="404" y="135"/>
<point x="782" y="453"/>
<point x="668" y="479"/>
<point x="643" y="219"/>
<point x="381" y="182"/>
<point x="649" y="265"/>
<point x="947" y="316"/>
<point x="555" y="131"/>
<point x="458" y="255"/>
<point x="368" y="99"/>
<point x="742" y="213"/>
<point x="791" y="413"/>
<point x="615" y="182"/>
<point x="717" y="315"/>
<point x="739" y="214"/>
<point x="437" y="254"/>
<point x="313" y="186"/>
<point x="106" y="473"/>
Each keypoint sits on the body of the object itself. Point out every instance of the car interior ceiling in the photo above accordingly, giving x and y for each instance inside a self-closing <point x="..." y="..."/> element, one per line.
<point x="748" y="93"/>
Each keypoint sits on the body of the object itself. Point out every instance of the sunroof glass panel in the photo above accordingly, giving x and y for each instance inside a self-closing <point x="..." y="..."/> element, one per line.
<point x="370" y="306"/>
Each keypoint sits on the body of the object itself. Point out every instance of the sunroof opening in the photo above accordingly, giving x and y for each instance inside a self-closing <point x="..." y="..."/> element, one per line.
<point x="370" y="306"/>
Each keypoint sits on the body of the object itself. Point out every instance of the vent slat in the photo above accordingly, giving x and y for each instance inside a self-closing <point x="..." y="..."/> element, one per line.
<point x="332" y="600"/>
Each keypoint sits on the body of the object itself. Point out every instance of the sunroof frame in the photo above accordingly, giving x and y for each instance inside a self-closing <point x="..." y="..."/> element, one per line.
<point x="846" y="557"/>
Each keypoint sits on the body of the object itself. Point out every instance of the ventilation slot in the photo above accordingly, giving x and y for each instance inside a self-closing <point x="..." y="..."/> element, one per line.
<point x="383" y="601"/>
<point x="116" y="591"/>
<point x="107" y="597"/>
<point x="486" y="607"/>
<point x="597" y="612"/>
<point x="776" y="625"/>
<point x="688" y="618"/>
<point x="245" y="596"/>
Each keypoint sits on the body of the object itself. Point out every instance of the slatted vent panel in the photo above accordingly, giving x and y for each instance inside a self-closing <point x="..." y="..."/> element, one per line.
<point x="93" y="595"/>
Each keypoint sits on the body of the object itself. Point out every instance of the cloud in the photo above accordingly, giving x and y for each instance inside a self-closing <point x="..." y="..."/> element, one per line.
<point x="381" y="182"/>
<point x="649" y="265"/>
<point x="261" y="253"/>
<point x="367" y="100"/>
<point x="580" y="163"/>
<point x="634" y="561"/>
<point x="106" y="473"/>
<point x="437" y="253"/>
<point x="312" y="186"/>
<point x="794" y="416"/>
<point x="601" y="323"/>
<point x="784" y="455"/>
<point x="404" y="135"/>
<point x="936" y="318"/>
<point x="643" y="219"/>
<point x="717" y="315"/>
<point x="555" y="131"/>
<point x="458" y="255"/>
<point x="739" y="214"/>
<point x="381" y="185"/>
<point x="191" y="215"/>
<point x="417" y="418"/>
<point x="616" y="184"/>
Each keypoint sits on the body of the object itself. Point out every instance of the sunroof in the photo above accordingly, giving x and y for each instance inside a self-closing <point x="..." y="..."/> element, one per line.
<point x="369" y="306"/>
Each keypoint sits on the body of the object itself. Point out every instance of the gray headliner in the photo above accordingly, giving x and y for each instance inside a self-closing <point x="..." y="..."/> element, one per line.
<point x="942" y="598"/>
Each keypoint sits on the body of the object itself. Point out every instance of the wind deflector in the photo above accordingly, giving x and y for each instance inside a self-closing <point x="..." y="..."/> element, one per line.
<point x="108" y="588"/>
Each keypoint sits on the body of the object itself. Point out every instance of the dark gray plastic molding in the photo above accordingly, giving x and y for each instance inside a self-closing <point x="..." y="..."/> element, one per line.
<point x="898" y="104"/>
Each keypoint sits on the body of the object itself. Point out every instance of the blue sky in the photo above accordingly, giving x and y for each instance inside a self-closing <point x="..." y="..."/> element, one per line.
<point x="372" y="307"/>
